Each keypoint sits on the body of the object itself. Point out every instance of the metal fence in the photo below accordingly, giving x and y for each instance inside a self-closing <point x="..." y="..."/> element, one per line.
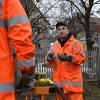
<point x="90" y="68"/>
<point x="40" y="61"/>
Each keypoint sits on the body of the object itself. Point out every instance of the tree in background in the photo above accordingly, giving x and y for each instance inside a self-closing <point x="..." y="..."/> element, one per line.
<point x="36" y="17"/>
<point x="84" y="11"/>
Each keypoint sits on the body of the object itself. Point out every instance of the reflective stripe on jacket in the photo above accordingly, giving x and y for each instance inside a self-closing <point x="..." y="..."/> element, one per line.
<point x="68" y="74"/>
<point x="15" y="29"/>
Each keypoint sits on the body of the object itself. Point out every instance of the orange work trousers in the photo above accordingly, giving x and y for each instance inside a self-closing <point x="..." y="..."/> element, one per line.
<point x="74" y="96"/>
<point x="70" y="96"/>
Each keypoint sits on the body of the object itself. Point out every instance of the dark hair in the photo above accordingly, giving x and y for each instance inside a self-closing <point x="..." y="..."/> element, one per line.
<point x="61" y="24"/>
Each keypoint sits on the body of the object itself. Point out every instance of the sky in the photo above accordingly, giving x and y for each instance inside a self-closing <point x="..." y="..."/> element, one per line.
<point x="55" y="12"/>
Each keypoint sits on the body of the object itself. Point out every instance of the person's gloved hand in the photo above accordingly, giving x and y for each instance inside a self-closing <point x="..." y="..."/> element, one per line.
<point x="65" y="57"/>
<point x="26" y="82"/>
<point x="50" y="57"/>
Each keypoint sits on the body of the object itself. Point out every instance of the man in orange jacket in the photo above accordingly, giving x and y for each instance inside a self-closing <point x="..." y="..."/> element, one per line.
<point x="67" y="55"/>
<point x="15" y="29"/>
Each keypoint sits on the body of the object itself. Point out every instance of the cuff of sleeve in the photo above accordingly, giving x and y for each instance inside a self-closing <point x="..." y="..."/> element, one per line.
<point x="26" y="63"/>
<point x="70" y="58"/>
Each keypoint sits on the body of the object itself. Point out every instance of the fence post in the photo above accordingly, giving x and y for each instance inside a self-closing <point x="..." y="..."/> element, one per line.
<point x="99" y="56"/>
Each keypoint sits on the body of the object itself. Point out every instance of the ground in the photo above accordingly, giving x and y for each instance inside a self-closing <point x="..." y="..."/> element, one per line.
<point x="91" y="91"/>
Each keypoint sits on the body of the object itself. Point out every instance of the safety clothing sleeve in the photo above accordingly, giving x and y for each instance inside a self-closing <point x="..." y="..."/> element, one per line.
<point x="20" y="33"/>
<point x="78" y="55"/>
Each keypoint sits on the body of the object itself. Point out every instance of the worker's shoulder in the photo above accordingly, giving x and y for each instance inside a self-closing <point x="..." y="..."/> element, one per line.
<point x="78" y="42"/>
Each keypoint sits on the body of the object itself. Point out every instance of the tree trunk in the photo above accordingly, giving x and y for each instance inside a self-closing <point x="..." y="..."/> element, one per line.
<point x="89" y="41"/>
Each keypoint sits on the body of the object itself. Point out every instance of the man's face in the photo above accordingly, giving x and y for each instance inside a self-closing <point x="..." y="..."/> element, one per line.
<point x="62" y="31"/>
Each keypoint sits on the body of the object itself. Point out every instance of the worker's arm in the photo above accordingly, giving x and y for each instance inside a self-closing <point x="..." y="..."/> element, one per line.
<point x="78" y="56"/>
<point x="20" y="34"/>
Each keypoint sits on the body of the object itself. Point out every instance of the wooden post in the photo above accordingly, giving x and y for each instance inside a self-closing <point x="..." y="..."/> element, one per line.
<point x="42" y="97"/>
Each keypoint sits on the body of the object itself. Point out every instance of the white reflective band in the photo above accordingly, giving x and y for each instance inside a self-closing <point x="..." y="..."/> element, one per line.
<point x="6" y="87"/>
<point x="26" y="63"/>
<point x="13" y="21"/>
<point x="0" y="7"/>
<point x="16" y="20"/>
<point x="69" y="83"/>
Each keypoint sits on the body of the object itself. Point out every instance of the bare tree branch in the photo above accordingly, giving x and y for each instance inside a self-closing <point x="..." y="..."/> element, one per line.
<point x="45" y="12"/>
<point x="84" y="5"/>
<point x="90" y="4"/>
<point x="76" y="7"/>
<point x="97" y="2"/>
<point x="39" y="34"/>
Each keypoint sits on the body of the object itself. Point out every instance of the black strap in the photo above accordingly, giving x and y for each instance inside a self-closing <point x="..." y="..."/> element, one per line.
<point x="59" y="90"/>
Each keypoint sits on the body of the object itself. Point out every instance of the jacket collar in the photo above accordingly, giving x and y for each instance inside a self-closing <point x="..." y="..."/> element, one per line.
<point x="68" y="42"/>
<point x="65" y="39"/>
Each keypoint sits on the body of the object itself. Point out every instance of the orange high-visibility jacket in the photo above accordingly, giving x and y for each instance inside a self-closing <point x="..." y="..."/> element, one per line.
<point x="68" y="74"/>
<point x="14" y="26"/>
